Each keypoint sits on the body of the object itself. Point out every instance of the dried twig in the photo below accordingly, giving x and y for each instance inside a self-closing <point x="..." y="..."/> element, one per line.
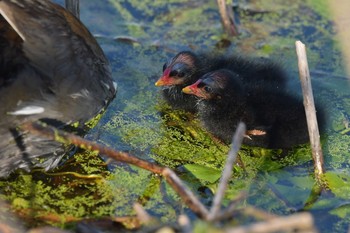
<point x="226" y="174"/>
<point x="227" y="18"/>
<point x="73" y="6"/>
<point x="310" y="110"/>
<point x="187" y="196"/>
<point x="142" y="214"/>
<point x="301" y="221"/>
<point x="184" y="192"/>
<point x="231" y="208"/>
<point x="68" y="138"/>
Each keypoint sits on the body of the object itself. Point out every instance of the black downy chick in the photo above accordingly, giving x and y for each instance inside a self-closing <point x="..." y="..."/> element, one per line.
<point x="274" y="119"/>
<point x="181" y="71"/>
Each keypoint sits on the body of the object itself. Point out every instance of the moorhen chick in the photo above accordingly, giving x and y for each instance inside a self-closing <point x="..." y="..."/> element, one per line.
<point x="51" y="69"/>
<point x="187" y="67"/>
<point x="274" y="119"/>
<point x="181" y="71"/>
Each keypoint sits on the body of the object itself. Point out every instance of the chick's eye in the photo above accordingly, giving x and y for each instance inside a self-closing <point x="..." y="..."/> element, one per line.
<point x="173" y="73"/>
<point x="180" y="74"/>
<point x="164" y="66"/>
<point x="208" y="89"/>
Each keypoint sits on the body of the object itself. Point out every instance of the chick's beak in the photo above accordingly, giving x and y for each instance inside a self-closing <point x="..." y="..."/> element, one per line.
<point x="161" y="82"/>
<point x="188" y="90"/>
<point x="165" y="80"/>
<point x="192" y="89"/>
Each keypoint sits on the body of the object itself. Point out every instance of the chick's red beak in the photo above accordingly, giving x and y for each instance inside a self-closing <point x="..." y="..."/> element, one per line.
<point x="165" y="80"/>
<point x="195" y="90"/>
<point x="191" y="89"/>
<point x="169" y="80"/>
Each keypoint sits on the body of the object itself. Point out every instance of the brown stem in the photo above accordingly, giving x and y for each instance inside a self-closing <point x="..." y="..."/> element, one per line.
<point x="310" y="110"/>
<point x="184" y="192"/>
<point x="226" y="174"/>
<point x="301" y="221"/>
<point x="187" y="196"/>
<point x="227" y="18"/>
<point x="231" y="208"/>
<point x="63" y="137"/>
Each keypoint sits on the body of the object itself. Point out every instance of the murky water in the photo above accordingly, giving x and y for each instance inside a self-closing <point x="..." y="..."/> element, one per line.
<point x="138" y="37"/>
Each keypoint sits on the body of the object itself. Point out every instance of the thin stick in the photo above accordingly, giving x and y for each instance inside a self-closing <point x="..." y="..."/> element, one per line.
<point x="73" y="6"/>
<point x="184" y="192"/>
<point x="226" y="174"/>
<point x="231" y="208"/>
<point x="301" y="221"/>
<point x="67" y="138"/>
<point x="227" y="18"/>
<point x="187" y="196"/>
<point x="310" y="110"/>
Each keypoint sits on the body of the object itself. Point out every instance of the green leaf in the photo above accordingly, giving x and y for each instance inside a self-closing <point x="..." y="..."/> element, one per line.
<point x="204" y="173"/>
<point x="342" y="211"/>
<point x="339" y="184"/>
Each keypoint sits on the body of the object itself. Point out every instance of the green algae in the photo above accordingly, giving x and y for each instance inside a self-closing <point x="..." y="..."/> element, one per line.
<point x="62" y="194"/>
<point x="70" y="196"/>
